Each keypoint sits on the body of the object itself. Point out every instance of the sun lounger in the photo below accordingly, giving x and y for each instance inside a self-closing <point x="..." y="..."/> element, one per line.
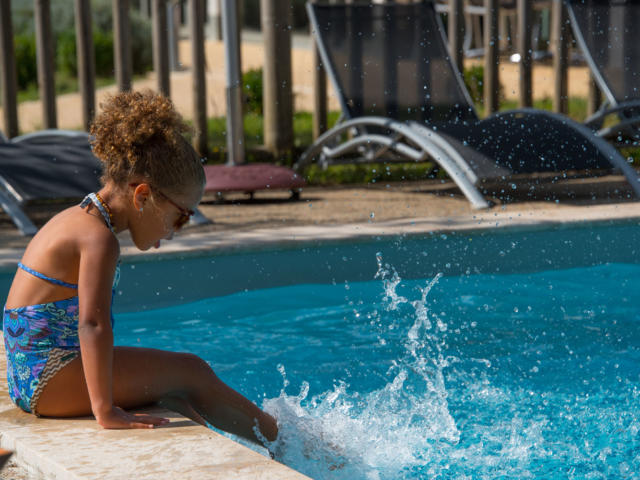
<point x="608" y="34"/>
<point x="45" y="166"/>
<point x="403" y="100"/>
<point x="48" y="165"/>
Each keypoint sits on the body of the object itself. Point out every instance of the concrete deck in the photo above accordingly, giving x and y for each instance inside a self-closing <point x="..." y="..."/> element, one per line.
<point x="80" y="449"/>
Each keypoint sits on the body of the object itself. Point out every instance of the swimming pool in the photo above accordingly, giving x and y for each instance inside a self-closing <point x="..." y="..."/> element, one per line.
<point x="521" y="361"/>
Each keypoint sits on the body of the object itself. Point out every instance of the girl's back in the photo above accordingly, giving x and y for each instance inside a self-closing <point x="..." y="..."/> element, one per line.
<point x="55" y="252"/>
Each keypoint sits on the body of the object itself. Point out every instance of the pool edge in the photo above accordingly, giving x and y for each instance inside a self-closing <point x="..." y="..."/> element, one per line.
<point x="195" y="244"/>
<point x="295" y="237"/>
<point x="80" y="449"/>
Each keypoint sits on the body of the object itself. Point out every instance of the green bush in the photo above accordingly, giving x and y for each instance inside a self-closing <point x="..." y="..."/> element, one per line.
<point x="474" y="81"/>
<point x="65" y="41"/>
<point x="26" y="64"/>
<point x="103" y="48"/>
<point x="66" y="61"/>
<point x="252" y="89"/>
<point x="369" y="173"/>
<point x="141" y="48"/>
<point x="22" y="17"/>
<point x="632" y="154"/>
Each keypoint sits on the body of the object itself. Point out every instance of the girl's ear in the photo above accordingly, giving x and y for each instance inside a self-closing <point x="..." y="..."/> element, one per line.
<point x="141" y="196"/>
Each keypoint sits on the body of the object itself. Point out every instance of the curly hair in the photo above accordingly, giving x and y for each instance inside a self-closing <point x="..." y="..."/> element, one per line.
<point x="138" y="135"/>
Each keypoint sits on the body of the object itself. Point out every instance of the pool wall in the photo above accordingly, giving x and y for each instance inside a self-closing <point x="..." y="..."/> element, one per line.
<point x="156" y="281"/>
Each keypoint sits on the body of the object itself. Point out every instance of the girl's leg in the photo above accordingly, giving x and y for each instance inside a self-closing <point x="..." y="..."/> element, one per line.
<point x="183" y="407"/>
<point x="142" y="376"/>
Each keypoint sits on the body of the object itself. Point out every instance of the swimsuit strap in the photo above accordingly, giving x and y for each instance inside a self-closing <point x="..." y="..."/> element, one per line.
<point x="97" y="201"/>
<point x="48" y="279"/>
<point x="93" y="198"/>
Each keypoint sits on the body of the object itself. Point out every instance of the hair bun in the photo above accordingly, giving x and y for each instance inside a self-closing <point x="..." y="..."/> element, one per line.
<point x="129" y="121"/>
<point x="139" y="134"/>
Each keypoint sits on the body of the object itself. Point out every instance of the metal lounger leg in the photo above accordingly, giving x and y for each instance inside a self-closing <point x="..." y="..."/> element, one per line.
<point x="16" y="213"/>
<point x="199" y="218"/>
<point x="430" y="143"/>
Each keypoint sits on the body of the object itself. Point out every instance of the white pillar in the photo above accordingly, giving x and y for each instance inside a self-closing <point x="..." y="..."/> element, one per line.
<point x="214" y="20"/>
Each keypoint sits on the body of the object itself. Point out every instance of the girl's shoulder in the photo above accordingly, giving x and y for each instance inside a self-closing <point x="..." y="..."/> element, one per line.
<point x="75" y="229"/>
<point x="69" y="239"/>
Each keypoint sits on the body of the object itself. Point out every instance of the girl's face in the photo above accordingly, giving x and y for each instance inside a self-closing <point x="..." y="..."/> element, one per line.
<point x="159" y="214"/>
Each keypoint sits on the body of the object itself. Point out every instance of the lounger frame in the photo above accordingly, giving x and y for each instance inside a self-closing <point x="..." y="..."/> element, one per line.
<point x="358" y="140"/>
<point x="626" y="132"/>
<point x="10" y="200"/>
<point x="13" y="203"/>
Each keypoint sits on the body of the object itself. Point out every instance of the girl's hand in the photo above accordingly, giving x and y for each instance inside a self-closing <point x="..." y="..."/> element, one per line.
<point x="118" y="418"/>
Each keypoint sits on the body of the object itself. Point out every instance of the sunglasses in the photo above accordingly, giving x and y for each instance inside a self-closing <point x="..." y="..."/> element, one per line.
<point x="185" y="213"/>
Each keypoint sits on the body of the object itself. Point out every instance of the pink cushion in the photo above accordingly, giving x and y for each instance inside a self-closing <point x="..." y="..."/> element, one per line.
<point x="249" y="178"/>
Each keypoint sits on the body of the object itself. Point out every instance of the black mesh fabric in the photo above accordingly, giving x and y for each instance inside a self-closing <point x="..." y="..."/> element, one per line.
<point x="390" y="60"/>
<point x="611" y="30"/>
<point x="532" y="142"/>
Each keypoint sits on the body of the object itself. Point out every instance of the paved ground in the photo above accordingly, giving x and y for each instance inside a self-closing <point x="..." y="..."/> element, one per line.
<point x="373" y="203"/>
<point x="12" y="471"/>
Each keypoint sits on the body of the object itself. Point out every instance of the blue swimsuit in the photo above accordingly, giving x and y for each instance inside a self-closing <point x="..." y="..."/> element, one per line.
<point x="42" y="339"/>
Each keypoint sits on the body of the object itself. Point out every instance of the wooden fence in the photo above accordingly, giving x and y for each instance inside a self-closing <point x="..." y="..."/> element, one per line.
<point x="277" y="69"/>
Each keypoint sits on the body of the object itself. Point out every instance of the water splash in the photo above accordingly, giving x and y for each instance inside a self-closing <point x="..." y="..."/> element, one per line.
<point x="391" y="299"/>
<point x="374" y="435"/>
<point x="550" y="390"/>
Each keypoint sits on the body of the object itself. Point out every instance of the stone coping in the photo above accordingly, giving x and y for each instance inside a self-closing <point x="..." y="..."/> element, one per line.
<point x="258" y="239"/>
<point x="261" y="238"/>
<point x="79" y="448"/>
<point x="268" y="238"/>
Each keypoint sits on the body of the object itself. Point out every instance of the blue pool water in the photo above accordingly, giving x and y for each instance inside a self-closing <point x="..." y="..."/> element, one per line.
<point x="461" y="376"/>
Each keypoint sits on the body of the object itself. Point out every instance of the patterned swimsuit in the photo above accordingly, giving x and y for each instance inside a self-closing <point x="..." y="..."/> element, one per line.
<point x="42" y="339"/>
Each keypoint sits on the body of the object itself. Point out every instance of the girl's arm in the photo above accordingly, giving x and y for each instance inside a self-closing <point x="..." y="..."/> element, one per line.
<point x="97" y="268"/>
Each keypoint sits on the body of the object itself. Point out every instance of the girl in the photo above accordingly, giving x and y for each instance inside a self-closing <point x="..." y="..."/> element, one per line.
<point x="61" y="361"/>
